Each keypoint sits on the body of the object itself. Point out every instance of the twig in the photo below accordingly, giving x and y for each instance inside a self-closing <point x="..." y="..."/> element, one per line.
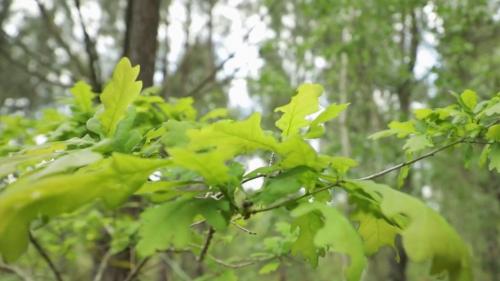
<point x="91" y="52"/>
<point x="286" y="202"/>
<point x="243" y="229"/>
<point x="57" y="34"/>
<point x="239" y="265"/>
<point x="209" y="78"/>
<point x="45" y="257"/>
<point x="102" y="266"/>
<point x="407" y="163"/>
<point x="175" y="268"/>
<point x="33" y="73"/>
<point x="208" y="240"/>
<point x="135" y="272"/>
<point x="16" y="271"/>
<point x="41" y="60"/>
<point x="254" y="177"/>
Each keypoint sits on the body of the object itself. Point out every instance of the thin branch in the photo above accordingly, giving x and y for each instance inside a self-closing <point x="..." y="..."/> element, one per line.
<point x="211" y="76"/>
<point x="254" y="177"/>
<point x="240" y="264"/>
<point x="103" y="265"/>
<point x="295" y="199"/>
<point x="30" y="72"/>
<point x="45" y="257"/>
<point x="243" y="229"/>
<point x="93" y="58"/>
<point x="41" y="60"/>
<point x="135" y="272"/>
<point x="16" y="271"/>
<point x="57" y="34"/>
<point x="410" y="162"/>
<point x="208" y="240"/>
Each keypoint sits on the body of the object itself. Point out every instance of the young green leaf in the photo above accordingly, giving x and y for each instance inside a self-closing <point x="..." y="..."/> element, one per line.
<point x="83" y="96"/>
<point x="112" y="180"/>
<point x="169" y="224"/>
<point x="118" y="95"/>
<point x="469" y="98"/>
<point x="305" y="102"/>
<point x="308" y="225"/>
<point x="338" y="233"/>
<point x="426" y="235"/>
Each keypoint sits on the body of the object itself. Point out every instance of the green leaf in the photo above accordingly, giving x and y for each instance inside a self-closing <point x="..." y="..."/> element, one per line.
<point x="308" y="225"/>
<point x="376" y="232"/>
<point x="176" y="132"/>
<point x="469" y="98"/>
<point x="338" y="233"/>
<point x="494" y="156"/>
<point x="297" y="152"/>
<point x="492" y="110"/>
<point x="493" y="133"/>
<point x="239" y="137"/>
<point x="118" y="95"/>
<point x="284" y="184"/>
<point x="316" y="129"/>
<point x="72" y="160"/>
<point x="426" y="235"/>
<point x="305" y="102"/>
<point x="210" y="165"/>
<point x="422" y="113"/>
<point x="401" y="129"/>
<point x="126" y="136"/>
<point x="180" y="109"/>
<point x="31" y="156"/>
<point x="417" y="143"/>
<point x="269" y="267"/>
<point x="210" y="147"/>
<point x="331" y="112"/>
<point x="169" y="224"/>
<point x="83" y="96"/>
<point x="342" y="164"/>
<point x="214" y="114"/>
<point x="112" y="180"/>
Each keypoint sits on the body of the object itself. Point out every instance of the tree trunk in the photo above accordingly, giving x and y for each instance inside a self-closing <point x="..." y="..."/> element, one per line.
<point x="344" y="132"/>
<point x="142" y="20"/>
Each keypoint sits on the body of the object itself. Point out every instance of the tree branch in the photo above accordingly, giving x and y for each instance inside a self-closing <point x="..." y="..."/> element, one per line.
<point x="286" y="202"/>
<point x="243" y="229"/>
<point x="103" y="265"/>
<point x="211" y="76"/>
<point x="16" y="271"/>
<point x="93" y="58"/>
<point x="135" y="272"/>
<point x="240" y="264"/>
<point x="410" y="162"/>
<point x="208" y="240"/>
<point x="57" y="34"/>
<point x="45" y="257"/>
<point x="30" y="72"/>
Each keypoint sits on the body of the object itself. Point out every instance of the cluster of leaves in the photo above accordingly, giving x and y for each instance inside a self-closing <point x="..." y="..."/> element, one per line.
<point x="192" y="168"/>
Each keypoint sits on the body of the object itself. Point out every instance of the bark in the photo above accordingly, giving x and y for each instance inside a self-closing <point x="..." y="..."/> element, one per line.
<point x="142" y="20"/>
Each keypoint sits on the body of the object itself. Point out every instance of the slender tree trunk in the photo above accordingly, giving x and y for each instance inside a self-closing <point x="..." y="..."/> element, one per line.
<point x="398" y="269"/>
<point x="186" y="66"/>
<point x="344" y="132"/>
<point x="142" y="20"/>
